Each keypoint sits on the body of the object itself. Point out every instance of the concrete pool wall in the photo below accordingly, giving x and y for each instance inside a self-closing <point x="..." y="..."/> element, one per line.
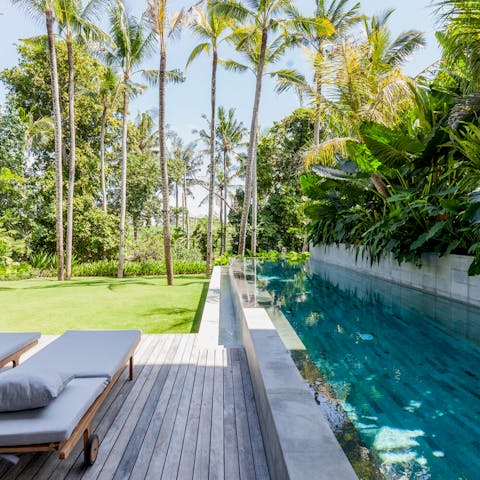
<point x="443" y="276"/>
<point x="298" y="440"/>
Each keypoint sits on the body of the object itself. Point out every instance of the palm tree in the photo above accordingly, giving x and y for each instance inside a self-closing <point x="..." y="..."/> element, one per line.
<point x="156" y="16"/>
<point x="209" y="27"/>
<point x="330" y="21"/>
<point x="132" y="46"/>
<point x="46" y="8"/>
<point x="366" y="85"/>
<point x="73" y="19"/>
<point x="108" y="93"/>
<point x="230" y="137"/>
<point x="253" y="41"/>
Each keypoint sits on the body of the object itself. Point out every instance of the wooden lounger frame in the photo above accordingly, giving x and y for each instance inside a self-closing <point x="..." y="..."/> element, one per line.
<point x="84" y="426"/>
<point x="15" y="357"/>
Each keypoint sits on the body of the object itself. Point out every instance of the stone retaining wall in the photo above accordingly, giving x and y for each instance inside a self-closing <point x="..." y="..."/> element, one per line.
<point x="442" y="276"/>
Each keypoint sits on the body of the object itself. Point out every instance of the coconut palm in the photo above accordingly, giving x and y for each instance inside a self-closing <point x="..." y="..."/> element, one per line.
<point x="330" y="21"/>
<point x="252" y="39"/>
<point x="366" y="84"/>
<point x="46" y="8"/>
<point x="74" y="20"/>
<point x="108" y="93"/>
<point x="229" y="139"/>
<point x="131" y="46"/>
<point x="210" y="28"/>
<point x="164" y="27"/>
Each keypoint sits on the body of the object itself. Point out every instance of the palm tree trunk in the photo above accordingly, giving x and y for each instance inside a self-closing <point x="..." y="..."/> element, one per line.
<point x="123" y="194"/>
<point x="211" y="185"/>
<point x="221" y="218"/>
<point x="318" y="106"/>
<point x="71" y="172"/>
<point x="225" y="216"/>
<point x="184" y="201"/>
<point x="102" y="158"/>
<point x="58" y="144"/>
<point x="167" y="241"/>
<point x="252" y="146"/>
<point x="379" y="185"/>
<point x="176" y="204"/>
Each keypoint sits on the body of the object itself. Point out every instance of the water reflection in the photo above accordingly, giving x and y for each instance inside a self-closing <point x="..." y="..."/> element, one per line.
<point x="400" y="365"/>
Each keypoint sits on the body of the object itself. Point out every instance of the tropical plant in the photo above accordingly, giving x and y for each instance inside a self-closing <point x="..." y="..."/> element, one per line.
<point x="230" y="135"/>
<point x="210" y="28"/>
<point x="330" y="21"/>
<point x="109" y="90"/>
<point x="252" y="39"/>
<point x="164" y="27"/>
<point x="131" y="46"/>
<point x="46" y="8"/>
<point x="74" y="20"/>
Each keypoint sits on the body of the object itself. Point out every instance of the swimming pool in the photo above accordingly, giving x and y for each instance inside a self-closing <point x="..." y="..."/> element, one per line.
<point x="404" y="365"/>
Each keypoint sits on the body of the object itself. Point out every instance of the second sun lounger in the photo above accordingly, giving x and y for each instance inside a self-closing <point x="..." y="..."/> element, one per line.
<point x="14" y="345"/>
<point x="95" y="360"/>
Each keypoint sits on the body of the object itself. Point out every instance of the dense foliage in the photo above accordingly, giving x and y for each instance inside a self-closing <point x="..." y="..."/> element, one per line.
<point x="402" y="184"/>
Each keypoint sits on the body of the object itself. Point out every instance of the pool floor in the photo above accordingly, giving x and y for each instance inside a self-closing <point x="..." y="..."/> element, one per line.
<point x="409" y="382"/>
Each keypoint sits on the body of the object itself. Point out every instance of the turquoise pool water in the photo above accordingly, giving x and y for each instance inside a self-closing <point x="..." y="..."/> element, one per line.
<point x="404" y="365"/>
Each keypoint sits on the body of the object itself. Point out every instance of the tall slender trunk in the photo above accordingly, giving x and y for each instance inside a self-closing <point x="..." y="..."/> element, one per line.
<point x="225" y="216"/>
<point x="58" y="144"/>
<point x="221" y="219"/>
<point x="71" y="171"/>
<point x="252" y="146"/>
<point x="254" y="203"/>
<point x="167" y="242"/>
<point x="318" y="107"/>
<point x="184" y="201"/>
<point x="224" y="204"/>
<point x="176" y="205"/>
<point x="211" y="185"/>
<point x="102" y="158"/>
<point x="123" y="194"/>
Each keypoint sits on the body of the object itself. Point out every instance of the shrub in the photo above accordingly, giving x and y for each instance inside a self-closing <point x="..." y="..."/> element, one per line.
<point x="108" y="268"/>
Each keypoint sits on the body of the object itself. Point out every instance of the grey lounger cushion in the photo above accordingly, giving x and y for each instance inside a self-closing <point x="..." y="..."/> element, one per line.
<point x="24" y="390"/>
<point x="54" y="423"/>
<point x="11" y="343"/>
<point x="88" y="353"/>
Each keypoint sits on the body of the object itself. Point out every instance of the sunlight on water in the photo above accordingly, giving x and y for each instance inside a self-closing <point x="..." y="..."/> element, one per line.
<point x="403" y="366"/>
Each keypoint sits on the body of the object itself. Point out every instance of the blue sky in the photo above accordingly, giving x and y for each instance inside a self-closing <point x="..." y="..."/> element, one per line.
<point x="187" y="102"/>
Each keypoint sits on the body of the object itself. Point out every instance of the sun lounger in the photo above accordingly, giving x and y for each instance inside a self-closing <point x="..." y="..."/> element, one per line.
<point x="94" y="360"/>
<point x="14" y="345"/>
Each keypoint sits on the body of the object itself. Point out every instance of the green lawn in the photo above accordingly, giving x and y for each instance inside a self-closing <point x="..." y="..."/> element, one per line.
<point x="147" y="303"/>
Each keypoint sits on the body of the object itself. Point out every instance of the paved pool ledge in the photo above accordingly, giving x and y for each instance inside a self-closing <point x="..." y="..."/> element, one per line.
<point x="298" y="440"/>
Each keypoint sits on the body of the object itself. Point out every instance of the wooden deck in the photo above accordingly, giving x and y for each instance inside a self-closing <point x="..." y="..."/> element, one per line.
<point x="188" y="414"/>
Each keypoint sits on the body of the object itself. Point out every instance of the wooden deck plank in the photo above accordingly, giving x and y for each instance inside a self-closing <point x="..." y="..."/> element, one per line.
<point x="258" y="449"/>
<point x="189" y="413"/>
<point x="142" y="408"/>
<point x="187" y="460"/>
<point x="73" y="466"/>
<point x="47" y="465"/>
<point x="217" y="466"/>
<point x="245" y="454"/>
<point x="172" y="460"/>
<point x="112" y="408"/>
<point x="165" y="415"/>
<point x="232" y="469"/>
<point x="202" y="454"/>
<point x="133" y="402"/>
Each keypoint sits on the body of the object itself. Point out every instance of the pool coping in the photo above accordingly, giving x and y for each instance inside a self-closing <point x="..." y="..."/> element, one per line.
<point x="298" y="440"/>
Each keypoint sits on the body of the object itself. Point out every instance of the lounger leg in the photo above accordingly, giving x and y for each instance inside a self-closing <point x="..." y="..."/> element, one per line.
<point x="86" y="436"/>
<point x="91" y="444"/>
<point x="131" y="368"/>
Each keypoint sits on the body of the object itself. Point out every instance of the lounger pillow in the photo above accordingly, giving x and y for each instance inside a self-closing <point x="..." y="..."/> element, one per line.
<point x="29" y="389"/>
